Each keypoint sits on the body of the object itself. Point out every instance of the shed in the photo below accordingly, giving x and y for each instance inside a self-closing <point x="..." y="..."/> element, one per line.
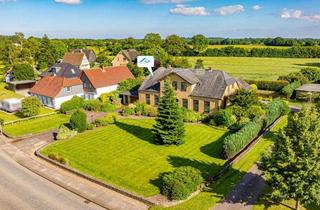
<point x="308" y="91"/>
<point x="21" y="85"/>
<point x="11" y="104"/>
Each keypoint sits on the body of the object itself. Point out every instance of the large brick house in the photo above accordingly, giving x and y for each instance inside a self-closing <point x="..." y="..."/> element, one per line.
<point x="198" y="90"/>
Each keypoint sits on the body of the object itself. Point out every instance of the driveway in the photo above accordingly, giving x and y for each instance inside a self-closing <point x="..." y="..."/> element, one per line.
<point x="22" y="189"/>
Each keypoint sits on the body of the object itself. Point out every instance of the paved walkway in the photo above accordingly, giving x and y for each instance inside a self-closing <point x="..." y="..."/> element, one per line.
<point x="246" y="192"/>
<point x="82" y="187"/>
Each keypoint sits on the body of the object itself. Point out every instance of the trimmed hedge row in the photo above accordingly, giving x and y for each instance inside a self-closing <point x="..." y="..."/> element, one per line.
<point x="269" y="85"/>
<point x="235" y="142"/>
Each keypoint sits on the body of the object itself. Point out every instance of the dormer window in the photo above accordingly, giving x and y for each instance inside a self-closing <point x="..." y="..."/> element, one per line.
<point x="72" y="71"/>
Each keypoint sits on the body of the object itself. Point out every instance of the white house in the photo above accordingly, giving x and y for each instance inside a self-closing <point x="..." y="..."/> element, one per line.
<point x="99" y="81"/>
<point x="52" y="91"/>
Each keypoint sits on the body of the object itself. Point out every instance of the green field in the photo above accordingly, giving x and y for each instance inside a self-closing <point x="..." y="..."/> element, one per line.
<point x="125" y="155"/>
<point x="246" y="46"/>
<point x="219" y="189"/>
<point x="256" y="68"/>
<point x="36" y="126"/>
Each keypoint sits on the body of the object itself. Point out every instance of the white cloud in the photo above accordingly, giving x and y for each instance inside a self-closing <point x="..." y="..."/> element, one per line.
<point x="298" y="15"/>
<point x="163" y="1"/>
<point x="189" y="11"/>
<point x="7" y="1"/>
<point x="68" y="1"/>
<point x="229" y="10"/>
<point x="257" y="7"/>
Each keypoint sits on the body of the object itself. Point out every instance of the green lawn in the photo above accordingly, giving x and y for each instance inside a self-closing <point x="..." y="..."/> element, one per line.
<point x="36" y="126"/>
<point x="216" y="192"/>
<point x="11" y="116"/>
<point x="125" y="155"/>
<point x="256" y="68"/>
<point x="4" y="93"/>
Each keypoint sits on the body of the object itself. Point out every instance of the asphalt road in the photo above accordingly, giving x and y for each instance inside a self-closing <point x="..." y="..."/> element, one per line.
<point x="21" y="189"/>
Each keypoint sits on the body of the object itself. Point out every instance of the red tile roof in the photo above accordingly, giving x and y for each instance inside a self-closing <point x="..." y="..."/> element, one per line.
<point x="51" y="86"/>
<point x="108" y="76"/>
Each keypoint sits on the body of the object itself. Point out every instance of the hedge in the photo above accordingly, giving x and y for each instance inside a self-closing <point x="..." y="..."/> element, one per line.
<point x="234" y="143"/>
<point x="289" y="89"/>
<point x="269" y="85"/>
<point x="180" y="183"/>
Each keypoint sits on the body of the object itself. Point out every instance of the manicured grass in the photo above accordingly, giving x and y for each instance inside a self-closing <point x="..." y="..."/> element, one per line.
<point x="7" y="117"/>
<point x="36" y="126"/>
<point x="256" y="68"/>
<point x="216" y="192"/>
<point x="4" y="93"/>
<point x="125" y="155"/>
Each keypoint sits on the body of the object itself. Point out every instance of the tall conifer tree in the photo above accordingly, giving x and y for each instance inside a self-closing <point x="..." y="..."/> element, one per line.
<point x="169" y="127"/>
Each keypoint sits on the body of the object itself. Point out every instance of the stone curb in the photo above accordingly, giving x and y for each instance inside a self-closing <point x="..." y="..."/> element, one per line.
<point x="94" y="180"/>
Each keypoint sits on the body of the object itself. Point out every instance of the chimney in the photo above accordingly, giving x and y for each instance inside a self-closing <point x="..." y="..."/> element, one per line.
<point x="209" y="68"/>
<point x="169" y="67"/>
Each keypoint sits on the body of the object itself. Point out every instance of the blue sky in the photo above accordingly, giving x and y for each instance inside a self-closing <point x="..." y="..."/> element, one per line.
<point x="135" y="18"/>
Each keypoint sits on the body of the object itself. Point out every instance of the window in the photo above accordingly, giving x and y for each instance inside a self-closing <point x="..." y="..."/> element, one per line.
<point x="183" y="86"/>
<point x="195" y="105"/>
<point x="68" y="89"/>
<point x="147" y="98"/>
<point x="185" y="103"/>
<point x="156" y="100"/>
<point x="207" y="106"/>
<point x="175" y="85"/>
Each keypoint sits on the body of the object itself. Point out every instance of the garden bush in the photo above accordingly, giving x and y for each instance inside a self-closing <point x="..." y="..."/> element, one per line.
<point x="65" y="133"/>
<point x="239" y="124"/>
<point x="58" y="158"/>
<point x="106" y="120"/>
<point x="93" y="105"/>
<point x="289" y="89"/>
<point x="30" y="107"/>
<point x="245" y="98"/>
<point x="150" y="111"/>
<point x="190" y="116"/>
<point x="130" y="84"/>
<point x="140" y="108"/>
<point x="223" y="117"/>
<point x="78" y="121"/>
<point x="269" y="85"/>
<point x="23" y="71"/>
<point x="312" y="74"/>
<point x="128" y="111"/>
<point x="112" y="97"/>
<point x="318" y="107"/>
<point x="181" y="183"/>
<point x="75" y="103"/>
<point x="108" y="107"/>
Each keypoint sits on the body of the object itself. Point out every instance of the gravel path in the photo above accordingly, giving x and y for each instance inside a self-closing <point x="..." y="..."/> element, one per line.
<point x="246" y="192"/>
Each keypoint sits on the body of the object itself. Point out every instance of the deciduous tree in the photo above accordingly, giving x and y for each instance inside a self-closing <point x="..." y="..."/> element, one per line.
<point x="293" y="167"/>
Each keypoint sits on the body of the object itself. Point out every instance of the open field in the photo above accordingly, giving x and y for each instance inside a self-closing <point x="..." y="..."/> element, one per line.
<point x="37" y="125"/>
<point x="125" y="155"/>
<point x="256" y="68"/>
<point x="216" y="192"/>
<point x="247" y="46"/>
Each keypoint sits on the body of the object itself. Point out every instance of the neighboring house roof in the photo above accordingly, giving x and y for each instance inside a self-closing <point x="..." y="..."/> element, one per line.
<point x="108" y="76"/>
<point x="130" y="54"/>
<point x="62" y="70"/>
<point x="210" y="84"/>
<point x="73" y="58"/>
<point x="51" y="86"/>
<point x="243" y="84"/>
<point x="309" y="88"/>
<point x="90" y="54"/>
